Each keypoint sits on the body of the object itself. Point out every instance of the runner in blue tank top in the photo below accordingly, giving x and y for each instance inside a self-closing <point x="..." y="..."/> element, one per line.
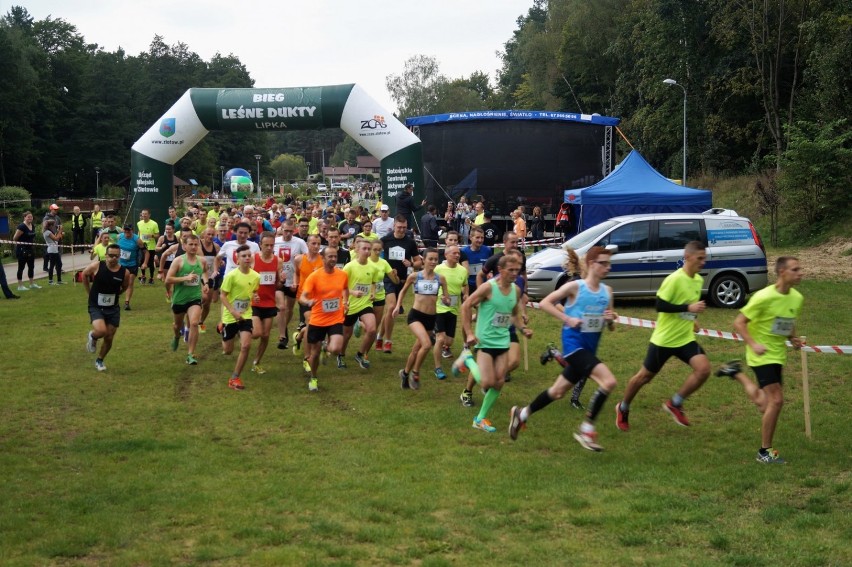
<point x="588" y="309"/>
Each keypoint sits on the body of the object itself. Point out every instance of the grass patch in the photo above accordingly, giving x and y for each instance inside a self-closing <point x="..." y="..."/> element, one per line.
<point x="154" y="462"/>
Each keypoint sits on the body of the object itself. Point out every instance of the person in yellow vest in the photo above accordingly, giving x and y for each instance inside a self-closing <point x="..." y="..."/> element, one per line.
<point x="78" y="227"/>
<point x="148" y="233"/>
<point x="97" y="222"/>
<point x="479" y="207"/>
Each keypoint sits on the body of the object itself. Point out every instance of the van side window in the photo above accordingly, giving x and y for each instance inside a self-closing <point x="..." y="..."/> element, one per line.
<point x="675" y="234"/>
<point x="631" y="237"/>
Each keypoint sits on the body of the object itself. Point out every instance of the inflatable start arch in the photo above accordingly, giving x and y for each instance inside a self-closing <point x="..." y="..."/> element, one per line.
<point x="199" y="111"/>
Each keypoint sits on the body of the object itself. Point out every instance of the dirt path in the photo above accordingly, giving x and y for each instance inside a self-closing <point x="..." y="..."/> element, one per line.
<point x="823" y="262"/>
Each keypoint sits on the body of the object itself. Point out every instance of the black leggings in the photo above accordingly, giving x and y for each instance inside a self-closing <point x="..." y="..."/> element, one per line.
<point x="29" y="262"/>
<point x="54" y="263"/>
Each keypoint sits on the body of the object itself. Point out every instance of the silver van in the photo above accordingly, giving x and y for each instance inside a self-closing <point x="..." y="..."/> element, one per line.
<point x="647" y="248"/>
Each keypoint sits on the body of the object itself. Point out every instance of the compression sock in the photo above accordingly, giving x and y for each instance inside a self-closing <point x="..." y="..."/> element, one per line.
<point x="540" y="402"/>
<point x="596" y="403"/>
<point x="677" y="400"/>
<point x="488" y="401"/>
<point x="470" y="362"/>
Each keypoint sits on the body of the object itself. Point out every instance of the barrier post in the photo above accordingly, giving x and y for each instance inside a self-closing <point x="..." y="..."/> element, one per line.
<point x="806" y="393"/>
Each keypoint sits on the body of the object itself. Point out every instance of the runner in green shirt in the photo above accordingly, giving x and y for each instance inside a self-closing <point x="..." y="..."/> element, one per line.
<point x="678" y="304"/>
<point x="765" y="324"/>
<point x="186" y="274"/>
<point x="498" y="302"/>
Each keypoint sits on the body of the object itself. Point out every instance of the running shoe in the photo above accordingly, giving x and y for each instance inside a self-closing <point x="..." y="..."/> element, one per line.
<point x="35" y="286"/>
<point x="588" y="440"/>
<point x="515" y="422"/>
<point x="380" y="345"/>
<point x="91" y="342"/>
<point x="313" y="386"/>
<point x="466" y="399"/>
<point x="362" y="361"/>
<point x="576" y="404"/>
<point x="388" y="347"/>
<point x="99" y="364"/>
<point x="61" y="283"/>
<point x="141" y="279"/>
<point x="186" y="334"/>
<point x="51" y="282"/>
<point x="730" y="369"/>
<point x="236" y="384"/>
<point x="358" y="329"/>
<point x="403" y="376"/>
<point x="340" y="362"/>
<point x="676" y="413"/>
<point x="202" y="328"/>
<point x="174" y="343"/>
<point x="126" y="306"/>
<point x="297" y="344"/>
<point x="282" y="343"/>
<point x="306" y="366"/>
<point x="440" y="374"/>
<point x="191" y="360"/>
<point x="151" y="281"/>
<point x="770" y="457"/>
<point x="257" y="369"/>
<point x="483" y="425"/>
<point x="23" y="288"/>
<point x="446" y="352"/>
<point x="414" y="380"/>
<point x="459" y="366"/>
<point x="621" y="418"/>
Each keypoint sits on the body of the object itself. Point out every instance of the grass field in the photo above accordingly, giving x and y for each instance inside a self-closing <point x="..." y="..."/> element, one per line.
<point x="156" y="463"/>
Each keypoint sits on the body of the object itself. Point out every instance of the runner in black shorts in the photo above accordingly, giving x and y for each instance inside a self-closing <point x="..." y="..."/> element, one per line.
<point x="104" y="282"/>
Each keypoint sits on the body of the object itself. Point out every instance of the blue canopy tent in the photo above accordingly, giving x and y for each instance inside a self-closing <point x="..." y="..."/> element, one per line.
<point x="634" y="187"/>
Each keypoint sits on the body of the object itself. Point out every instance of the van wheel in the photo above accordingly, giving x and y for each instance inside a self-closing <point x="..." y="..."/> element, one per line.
<point x="728" y="290"/>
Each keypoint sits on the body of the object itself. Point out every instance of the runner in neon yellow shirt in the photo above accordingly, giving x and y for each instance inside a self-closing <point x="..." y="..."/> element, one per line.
<point x="678" y="304"/>
<point x="238" y="290"/>
<point x="149" y="232"/>
<point x="765" y="324"/>
<point x="446" y="316"/>
<point x="362" y="293"/>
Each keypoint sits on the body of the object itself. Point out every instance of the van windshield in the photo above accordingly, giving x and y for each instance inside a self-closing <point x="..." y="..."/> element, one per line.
<point x="591" y="235"/>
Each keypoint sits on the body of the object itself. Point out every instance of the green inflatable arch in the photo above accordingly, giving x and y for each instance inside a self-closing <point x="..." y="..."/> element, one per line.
<point x="199" y="111"/>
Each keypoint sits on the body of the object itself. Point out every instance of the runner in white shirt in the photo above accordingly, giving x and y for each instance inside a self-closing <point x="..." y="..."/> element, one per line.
<point x="384" y="224"/>
<point x="228" y="251"/>
<point x="287" y="247"/>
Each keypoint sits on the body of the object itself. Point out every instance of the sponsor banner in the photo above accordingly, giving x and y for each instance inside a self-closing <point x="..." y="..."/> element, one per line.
<point x="399" y="169"/>
<point x="269" y="109"/>
<point x="373" y="126"/>
<point x="596" y="119"/>
<point x="151" y="185"/>
<point x="173" y="135"/>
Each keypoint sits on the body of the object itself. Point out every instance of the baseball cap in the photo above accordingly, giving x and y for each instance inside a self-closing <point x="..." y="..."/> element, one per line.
<point x="384" y="208"/>
<point x="54" y="207"/>
<point x="128" y="226"/>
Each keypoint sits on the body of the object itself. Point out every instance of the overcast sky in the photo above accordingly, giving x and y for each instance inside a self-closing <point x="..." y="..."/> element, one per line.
<point x="300" y="44"/>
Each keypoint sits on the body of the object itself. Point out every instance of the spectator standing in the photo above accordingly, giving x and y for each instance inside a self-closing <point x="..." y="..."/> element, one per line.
<point x="97" y="222"/>
<point x="52" y="237"/>
<point x="429" y="227"/>
<point x="520" y="226"/>
<point x="52" y="213"/>
<point x="537" y="226"/>
<point x="405" y="204"/>
<point x="489" y="229"/>
<point x="78" y="227"/>
<point x="25" y="251"/>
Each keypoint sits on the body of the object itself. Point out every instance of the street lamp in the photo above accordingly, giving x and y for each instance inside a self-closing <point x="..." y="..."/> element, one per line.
<point x="97" y="182"/>
<point x="673" y="82"/>
<point x="222" y="184"/>
<point x="257" y="157"/>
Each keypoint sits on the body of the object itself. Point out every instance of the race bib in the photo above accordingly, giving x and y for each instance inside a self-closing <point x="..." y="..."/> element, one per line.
<point x="454" y="300"/>
<point x="331" y="305"/>
<point x="687" y="315"/>
<point x="501" y="320"/>
<point x="473" y="269"/>
<point x="170" y="258"/>
<point x="783" y="326"/>
<point x="195" y="281"/>
<point x="364" y="288"/>
<point x="287" y="269"/>
<point x="428" y="288"/>
<point x="125" y="254"/>
<point x="146" y="237"/>
<point x="241" y="305"/>
<point x="396" y="253"/>
<point x="106" y="299"/>
<point x="592" y="323"/>
<point x="267" y="278"/>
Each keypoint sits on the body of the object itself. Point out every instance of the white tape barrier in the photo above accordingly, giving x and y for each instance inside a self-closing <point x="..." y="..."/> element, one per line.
<point x="647" y="324"/>
<point x="71" y="246"/>
<point x="521" y="243"/>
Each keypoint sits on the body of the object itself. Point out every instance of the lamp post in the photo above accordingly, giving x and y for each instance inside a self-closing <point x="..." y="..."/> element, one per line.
<point x="673" y="82"/>
<point x="257" y="157"/>
<point x="97" y="182"/>
<point x="222" y="184"/>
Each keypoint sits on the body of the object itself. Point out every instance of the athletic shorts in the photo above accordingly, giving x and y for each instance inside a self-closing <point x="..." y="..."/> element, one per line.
<point x="494" y="352"/>
<point x="350" y="319"/>
<point x="446" y="323"/>
<point x="134" y="270"/>
<point x="231" y="330"/>
<point x="393" y="288"/>
<point x="264" y="312"/>
<point x="428" y="321"/>
<point x="379" y="303"/>
<point x="110" y="315"/>
<point x="318" y="334"/>
<point x="657" y="355"/>
<point x="768" y="374"/>
<point x="580" y="365"/>
<point x="217" y="282"/>
<point x="288" y="291"/>
<point x="179" y="308"/>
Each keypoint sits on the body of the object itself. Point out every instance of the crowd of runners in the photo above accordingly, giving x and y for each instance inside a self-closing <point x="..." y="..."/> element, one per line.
<point x="321" y="276"/>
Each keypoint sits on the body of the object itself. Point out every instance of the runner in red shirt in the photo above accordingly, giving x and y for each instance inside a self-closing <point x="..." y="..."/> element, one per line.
<point x="263" y="306"/>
